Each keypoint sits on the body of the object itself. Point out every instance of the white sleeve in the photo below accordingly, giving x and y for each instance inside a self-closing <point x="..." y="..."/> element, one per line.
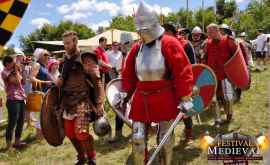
<point x="119" y="62"/>
<point x="109" y="54"/>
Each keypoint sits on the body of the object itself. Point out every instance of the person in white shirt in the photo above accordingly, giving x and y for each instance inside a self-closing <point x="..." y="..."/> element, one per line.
<point x="115" y="59"/>
<point x="261" y="49"/>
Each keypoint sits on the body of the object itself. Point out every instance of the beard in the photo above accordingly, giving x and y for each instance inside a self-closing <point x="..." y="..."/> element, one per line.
<point x="216" y="40"/>
<point x="196" y="39"/>
<point x="72" y="51"/>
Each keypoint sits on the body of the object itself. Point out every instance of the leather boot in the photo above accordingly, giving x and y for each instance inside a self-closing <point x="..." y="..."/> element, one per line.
<point x="80" y="157"/>
<point x="80" y="161"/>
<point x="229" y="111"/>
<point x="91" y="161"/>
<point x="188" y="136"/>
<point x="88" y="146"/>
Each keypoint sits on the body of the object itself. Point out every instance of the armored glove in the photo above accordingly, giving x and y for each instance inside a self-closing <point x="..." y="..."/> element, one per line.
<point x="186" y="107"/>
<point x="120" y="100"/>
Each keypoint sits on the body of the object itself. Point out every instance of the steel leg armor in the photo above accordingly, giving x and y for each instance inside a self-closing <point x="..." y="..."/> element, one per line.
<point x="139" y="143"/>
<point x="166" y="153"/>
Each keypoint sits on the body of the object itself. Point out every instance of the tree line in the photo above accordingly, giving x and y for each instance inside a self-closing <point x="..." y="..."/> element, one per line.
<point x="255" y="16"/>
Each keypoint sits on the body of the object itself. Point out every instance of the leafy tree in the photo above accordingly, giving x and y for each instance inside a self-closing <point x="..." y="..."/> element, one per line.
<point x="256" y="15"/>
<point x="225" y="9"/>
<point x="8" y="51"/>
<point x="204" y="17"/>
<point x="123" y="23"/>
<point x="220" y="5"/>
<point x="181" y="18"/>
<point x="53" y="33"/>
<point x="230" y="8"/>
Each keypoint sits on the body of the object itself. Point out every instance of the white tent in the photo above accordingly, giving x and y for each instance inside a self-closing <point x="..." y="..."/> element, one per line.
<point x="112" y="35"/>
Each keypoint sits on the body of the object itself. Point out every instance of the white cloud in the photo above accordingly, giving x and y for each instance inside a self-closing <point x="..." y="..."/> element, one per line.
<point x="126" y="2"/>
<point x="75" y="16"/>
<point x="238" y="1"/>
<point x="63" y="9"/>
<point x="49" y="5"/>
<point x="112" y="8"/>
<point x="163" y="10"/>
<point x="82" y="5"/>
<point x="128" y="7"/>
<point x="77" y="10"/>
<point x="95" y="26"/>
<point x="89" y="5"/>
<point x="39" y="22"/>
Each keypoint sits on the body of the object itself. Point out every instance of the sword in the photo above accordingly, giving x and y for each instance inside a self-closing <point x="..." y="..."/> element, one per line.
<point x="184" y="108"/>
<point x="166" y="136"/>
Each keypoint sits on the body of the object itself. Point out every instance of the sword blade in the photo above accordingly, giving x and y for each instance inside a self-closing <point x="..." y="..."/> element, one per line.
<point x="166" y="136"/>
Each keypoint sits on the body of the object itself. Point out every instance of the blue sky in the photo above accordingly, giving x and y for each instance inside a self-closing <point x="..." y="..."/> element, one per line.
<point x="94" y="13"/>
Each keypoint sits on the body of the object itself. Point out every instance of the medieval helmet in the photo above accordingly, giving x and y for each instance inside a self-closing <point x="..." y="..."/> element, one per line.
<point x="243" y="34"/>
<point x="147" y="23"/>
<point x="226" y="29"/>
<point x="224" y="26"/>
<point x="196" y="29"/>
<point x="102" y="126"/>
<point x="170" y="26"/>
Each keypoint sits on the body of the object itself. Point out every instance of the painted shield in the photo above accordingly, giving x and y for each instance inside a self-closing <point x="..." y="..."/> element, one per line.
<point x="51" y="118"/>
<point x="204" y="89"/>
<point x="237" y="72"/>
<point x="113" y="89"/>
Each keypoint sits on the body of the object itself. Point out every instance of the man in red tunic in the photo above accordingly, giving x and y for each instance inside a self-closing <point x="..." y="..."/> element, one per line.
<point x="159" y="76"/>
<point x="103" y="59"/>
<point x="219" y="49"/>
<point x="226" y="30"/>
<point x="171" y="29"/>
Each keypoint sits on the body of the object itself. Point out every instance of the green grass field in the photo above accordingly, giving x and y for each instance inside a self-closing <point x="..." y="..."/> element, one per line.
<point x="251" y="115"/>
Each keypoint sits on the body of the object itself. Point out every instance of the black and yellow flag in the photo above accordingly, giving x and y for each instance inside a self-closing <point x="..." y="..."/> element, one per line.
<point x="11" y="12"/>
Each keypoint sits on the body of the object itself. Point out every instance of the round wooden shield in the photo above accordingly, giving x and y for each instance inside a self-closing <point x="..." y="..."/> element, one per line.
<point x="205" y="86"/>
<point x="51" y="118"/>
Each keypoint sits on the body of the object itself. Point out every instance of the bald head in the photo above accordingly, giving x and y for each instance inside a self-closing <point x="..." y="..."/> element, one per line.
<point x="213" y="31"/>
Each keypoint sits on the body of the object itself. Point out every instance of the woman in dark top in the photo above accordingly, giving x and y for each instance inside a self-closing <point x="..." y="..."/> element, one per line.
<point x="40" y="75"/>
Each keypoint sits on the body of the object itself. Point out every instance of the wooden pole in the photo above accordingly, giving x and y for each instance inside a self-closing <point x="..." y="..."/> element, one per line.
<point x="187" y="13"/>
<point x="216" y="10"/>
<point x="203" y="21"/>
